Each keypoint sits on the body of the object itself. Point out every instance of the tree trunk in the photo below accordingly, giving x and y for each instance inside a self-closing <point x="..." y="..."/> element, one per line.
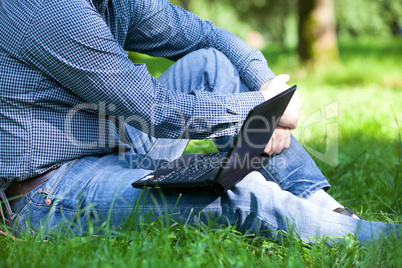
<point x="317" y="31"/>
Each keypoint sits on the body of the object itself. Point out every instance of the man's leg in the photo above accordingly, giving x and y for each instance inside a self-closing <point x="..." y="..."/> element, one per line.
<point x="293" y="170"/>
<point x="96" y="191"/>
<point x="210" y="70"/>
<point x="206" y="70"/>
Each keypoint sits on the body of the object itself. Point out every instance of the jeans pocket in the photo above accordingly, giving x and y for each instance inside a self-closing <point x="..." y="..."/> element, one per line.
<point x="32" y="208"/>
<point x="45" y="194"/>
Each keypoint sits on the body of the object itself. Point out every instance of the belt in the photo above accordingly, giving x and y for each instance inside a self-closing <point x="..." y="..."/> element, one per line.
<point x="20" y="188"/>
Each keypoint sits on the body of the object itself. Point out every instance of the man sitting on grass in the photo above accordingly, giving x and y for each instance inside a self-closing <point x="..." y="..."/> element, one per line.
<point x="80" y="122"/>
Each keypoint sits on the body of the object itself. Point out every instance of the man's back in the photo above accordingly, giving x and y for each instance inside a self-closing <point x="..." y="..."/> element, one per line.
<point x="38" y="128"/>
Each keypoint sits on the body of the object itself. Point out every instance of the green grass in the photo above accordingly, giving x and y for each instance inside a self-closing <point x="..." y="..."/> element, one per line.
<point x="366" y="89"/>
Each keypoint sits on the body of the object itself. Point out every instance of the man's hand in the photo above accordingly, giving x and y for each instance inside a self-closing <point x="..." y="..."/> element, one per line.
<point x="281" y="137"/>
<point x="292" y="112"/>
<point x="280" y="140"/>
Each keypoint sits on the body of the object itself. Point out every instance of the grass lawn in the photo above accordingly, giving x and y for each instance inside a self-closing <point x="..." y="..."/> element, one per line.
<point x="355" y="104"/>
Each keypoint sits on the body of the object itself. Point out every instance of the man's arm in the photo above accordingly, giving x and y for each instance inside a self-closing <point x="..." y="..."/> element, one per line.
<point x="161" y="29"/>
<point x="73" y="45"/>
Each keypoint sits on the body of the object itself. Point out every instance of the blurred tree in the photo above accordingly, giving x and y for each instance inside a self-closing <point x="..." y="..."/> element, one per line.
<point x="368" y="17"/>
<point x="268" y="17"/>
<point x="317" y="31"/>
<point x="392" y="13"/>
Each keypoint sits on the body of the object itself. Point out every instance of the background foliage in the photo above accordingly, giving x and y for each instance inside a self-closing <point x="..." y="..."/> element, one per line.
<point x="276" y="20"/>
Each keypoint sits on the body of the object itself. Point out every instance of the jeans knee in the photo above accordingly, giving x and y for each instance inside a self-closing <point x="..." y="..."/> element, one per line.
<point x="205" y="70"/>
<point x="212" y="54"/>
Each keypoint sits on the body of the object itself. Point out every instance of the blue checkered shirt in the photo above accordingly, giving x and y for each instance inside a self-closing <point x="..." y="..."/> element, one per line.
<point x="66" y="80"/>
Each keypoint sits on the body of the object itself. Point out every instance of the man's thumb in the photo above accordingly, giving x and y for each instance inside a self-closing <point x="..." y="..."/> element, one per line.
<point x="284" y="78"/>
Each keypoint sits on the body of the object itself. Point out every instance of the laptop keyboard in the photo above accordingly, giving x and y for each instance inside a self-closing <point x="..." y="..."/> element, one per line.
<point x="195" y="169"/>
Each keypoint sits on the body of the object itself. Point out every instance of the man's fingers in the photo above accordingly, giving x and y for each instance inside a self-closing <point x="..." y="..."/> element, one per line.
<point x="279" y="141"/>
<point x="287" y="143"/>
<point x="283" y="139"/>
<point x="291" y="115"/>
<point x="275" y="86"/>
<point x="280" y="145"/>
<point x="283" y="78"/>
<point x="274" y="143"/>
<point x="268" y="148"/>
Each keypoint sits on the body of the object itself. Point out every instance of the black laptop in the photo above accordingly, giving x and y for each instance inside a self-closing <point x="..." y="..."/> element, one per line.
<point x="221" y="171"/>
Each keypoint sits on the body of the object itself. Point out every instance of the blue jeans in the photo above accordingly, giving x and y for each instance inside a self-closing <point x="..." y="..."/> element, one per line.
<point x="98" y="188"/>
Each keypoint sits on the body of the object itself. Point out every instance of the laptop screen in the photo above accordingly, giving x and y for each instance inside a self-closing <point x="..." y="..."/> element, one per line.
<point x="246" y="153"/>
